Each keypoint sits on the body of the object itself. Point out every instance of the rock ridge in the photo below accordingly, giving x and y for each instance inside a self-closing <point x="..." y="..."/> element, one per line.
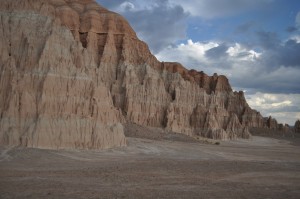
<point x="83" y="72"/>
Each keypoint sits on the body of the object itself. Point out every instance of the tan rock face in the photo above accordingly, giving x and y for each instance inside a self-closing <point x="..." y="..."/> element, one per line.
<point x="50" y="93"/>
<point x="72" y="72"/>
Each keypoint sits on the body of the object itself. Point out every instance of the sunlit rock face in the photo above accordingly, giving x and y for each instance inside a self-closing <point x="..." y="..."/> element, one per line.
<point x="72" y="72"/>
<point x="52" y="95"/>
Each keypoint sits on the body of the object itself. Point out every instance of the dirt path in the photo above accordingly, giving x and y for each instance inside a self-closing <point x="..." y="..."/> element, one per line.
<point x="257" y="168"/>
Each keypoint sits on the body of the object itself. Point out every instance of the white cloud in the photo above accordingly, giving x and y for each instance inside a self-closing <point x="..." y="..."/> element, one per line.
<point x="193" y="55"/>
<point x="239" y="52"/>
<point x="280" y="104"/>
<point x="296" y="38"/>
<point x="198" y="47"/>
<point x="284" y="103"/>
<point x="285" y="108"/>
<point x="127" y="6"/>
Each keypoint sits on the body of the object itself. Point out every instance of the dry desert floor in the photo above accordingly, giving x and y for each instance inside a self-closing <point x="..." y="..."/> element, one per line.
<point x="261" y="167"/>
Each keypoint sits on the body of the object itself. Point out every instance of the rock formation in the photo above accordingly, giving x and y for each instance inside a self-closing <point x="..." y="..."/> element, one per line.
<point x="50" y="93"/>
<point x="297" y="126"/>
<point x="72" y="72"/>
<point x="272" y="123"/>
<point x="285" y="128"/>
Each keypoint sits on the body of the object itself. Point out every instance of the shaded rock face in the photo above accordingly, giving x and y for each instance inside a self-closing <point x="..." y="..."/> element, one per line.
<point x="284" y="128"/>
<point x="72" y="72"/>
<point x="297" y="126"/>
<point x="272" y="123"/>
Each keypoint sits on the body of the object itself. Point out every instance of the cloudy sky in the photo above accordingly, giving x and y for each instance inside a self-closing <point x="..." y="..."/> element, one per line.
<point x="255" y="43"/>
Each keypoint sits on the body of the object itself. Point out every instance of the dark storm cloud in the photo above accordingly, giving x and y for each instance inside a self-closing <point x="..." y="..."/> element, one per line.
<point x="268" y="81"/>
<point x="217" y="52"/>
<point x="278" y="68"/>
<point x="228" y="7"/>
<point x="279" y="65"/>
<point x="159" y="23"/>
<point x="246" y="27"/>
<point x="268" y="40"/>
<point x="291" y="29"/>
<point x="160" y="26"/>
<point x="289" y="54"/>
<point x="278" y="54"/>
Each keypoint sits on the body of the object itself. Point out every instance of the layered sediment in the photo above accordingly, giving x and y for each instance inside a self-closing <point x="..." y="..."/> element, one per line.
<point x="72" y="72"/>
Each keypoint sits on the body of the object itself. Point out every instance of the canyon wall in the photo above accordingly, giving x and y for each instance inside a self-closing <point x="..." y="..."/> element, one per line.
<point x="72" y="72"/>
<point x="50" y="96"/>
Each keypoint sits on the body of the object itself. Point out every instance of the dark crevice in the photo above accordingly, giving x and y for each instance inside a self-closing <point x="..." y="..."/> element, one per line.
<point x="119" y="44"/>
<point x="165" y="118"/>
<point x="83" y="39"/>
<point x="9" y="54"/>
<point x="174" y="95"/>
<point x="101" y="42"/>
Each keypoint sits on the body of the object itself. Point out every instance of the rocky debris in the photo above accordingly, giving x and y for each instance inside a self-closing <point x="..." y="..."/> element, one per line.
<point x="154" y="133"/>
<point x="72" y="72"/>
<point x="297" y="126"/>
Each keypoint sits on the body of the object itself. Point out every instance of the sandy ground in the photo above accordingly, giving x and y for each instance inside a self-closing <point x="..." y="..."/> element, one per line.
<point x="257" y="168"/>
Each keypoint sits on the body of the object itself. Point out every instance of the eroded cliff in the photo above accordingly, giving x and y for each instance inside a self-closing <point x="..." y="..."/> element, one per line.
<point x="50" y="94"/>
<point x="72" y="72"/>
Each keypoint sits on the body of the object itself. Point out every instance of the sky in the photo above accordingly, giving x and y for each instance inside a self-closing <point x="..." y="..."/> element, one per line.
<point x="255" y="43"/>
